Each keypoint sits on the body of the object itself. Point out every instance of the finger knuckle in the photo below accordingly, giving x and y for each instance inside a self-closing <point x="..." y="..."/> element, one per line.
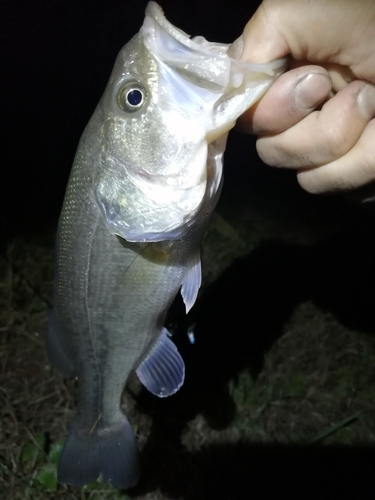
<point x="336" y="141"/>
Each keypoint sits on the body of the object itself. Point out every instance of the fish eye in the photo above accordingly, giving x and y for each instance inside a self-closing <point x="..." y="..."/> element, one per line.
<point x="132" y="96"/>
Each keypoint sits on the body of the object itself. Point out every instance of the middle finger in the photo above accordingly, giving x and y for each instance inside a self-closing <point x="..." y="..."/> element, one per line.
<point x="325" y="135"/>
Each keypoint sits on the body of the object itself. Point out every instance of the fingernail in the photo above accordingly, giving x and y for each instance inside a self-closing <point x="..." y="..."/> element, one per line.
<point x="311" y="90"/>
<point x="236" y="48"/>
<point x="366" y="100"/>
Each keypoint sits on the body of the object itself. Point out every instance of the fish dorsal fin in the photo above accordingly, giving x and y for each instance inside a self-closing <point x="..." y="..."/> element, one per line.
<point x="162" y="372"/>
<point x="192" y="281"/>
<point x="57" y="350"/>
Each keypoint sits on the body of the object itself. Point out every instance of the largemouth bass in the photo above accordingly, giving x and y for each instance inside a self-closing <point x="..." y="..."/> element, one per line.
<point x="146" y="177"/>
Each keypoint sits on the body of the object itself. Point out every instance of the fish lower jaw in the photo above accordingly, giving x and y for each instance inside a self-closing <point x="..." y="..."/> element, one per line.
<point x="215" y="134"/>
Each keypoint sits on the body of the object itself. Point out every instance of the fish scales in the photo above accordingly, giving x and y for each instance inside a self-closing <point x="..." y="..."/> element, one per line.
<point x="138" y="287"/>
<point x="145" y="180"/>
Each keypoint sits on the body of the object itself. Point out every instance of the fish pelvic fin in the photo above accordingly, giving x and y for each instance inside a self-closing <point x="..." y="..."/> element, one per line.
<point x="57" y="351"/>
<point x="162" y="372"/>
<point x="113" y="452"/>
<point x="192" y="281"/>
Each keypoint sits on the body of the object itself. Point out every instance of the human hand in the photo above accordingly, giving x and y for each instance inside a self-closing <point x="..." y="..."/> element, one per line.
<point x="332" y="147"/>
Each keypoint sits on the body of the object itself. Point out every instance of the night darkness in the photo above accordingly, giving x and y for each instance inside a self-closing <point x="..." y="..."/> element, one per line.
<point x="56" y="58"/>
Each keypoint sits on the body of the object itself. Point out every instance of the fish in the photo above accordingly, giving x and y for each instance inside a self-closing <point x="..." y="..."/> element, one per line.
<point x="146" y="177"/>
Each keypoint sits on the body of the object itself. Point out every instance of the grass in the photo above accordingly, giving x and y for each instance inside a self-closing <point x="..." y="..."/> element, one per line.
<point x="316" y="383"/>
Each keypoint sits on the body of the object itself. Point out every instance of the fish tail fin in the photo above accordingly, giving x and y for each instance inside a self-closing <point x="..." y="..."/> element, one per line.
<point x="113" y="452"/>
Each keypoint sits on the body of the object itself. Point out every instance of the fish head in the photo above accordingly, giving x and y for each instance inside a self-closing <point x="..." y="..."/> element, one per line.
<point x="168" y="97"/>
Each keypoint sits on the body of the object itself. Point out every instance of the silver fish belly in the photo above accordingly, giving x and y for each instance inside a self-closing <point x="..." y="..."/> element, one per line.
<point x="146" y="177"/>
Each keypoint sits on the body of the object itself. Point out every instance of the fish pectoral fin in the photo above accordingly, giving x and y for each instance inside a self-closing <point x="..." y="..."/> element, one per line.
<point x="163" y="370"/>
<point x="192" y="281"/>
<point x="56" y="349"/>
<point x="114" y="454"/>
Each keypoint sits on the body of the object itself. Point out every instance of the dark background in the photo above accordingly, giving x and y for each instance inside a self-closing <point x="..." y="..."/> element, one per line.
<point x="56" y="57"/>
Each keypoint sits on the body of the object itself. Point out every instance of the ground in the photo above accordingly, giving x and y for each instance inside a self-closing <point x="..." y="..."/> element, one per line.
<point x="280" y="377"/>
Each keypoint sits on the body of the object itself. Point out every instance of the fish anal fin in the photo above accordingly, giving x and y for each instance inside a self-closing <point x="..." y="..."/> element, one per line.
<point x="162" y="372"/>
<point x="192" y="281"/>
<point x="114" y="454"/>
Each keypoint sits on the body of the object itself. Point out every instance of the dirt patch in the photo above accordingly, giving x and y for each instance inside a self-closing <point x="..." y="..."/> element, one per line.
<point x="284" y="355"/>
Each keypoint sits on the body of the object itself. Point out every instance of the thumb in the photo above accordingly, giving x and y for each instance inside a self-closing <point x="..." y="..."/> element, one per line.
<point x="262" y="40"/>
<point x="317" y="31"/>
